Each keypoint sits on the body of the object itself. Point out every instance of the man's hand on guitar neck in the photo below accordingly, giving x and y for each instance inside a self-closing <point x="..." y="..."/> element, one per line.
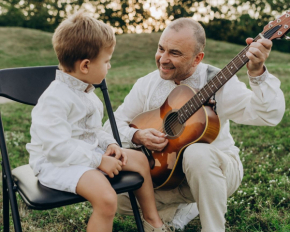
<point x="151" y="138"/>
<point x="258" y="53"/>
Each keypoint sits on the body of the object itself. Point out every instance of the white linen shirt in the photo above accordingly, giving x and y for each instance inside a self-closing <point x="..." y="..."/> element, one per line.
<point x="66" y="125"/>
<point x="264" y="105"/>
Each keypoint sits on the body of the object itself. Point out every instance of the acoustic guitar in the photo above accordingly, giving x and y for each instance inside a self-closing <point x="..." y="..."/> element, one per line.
<point x="185" y="118"/>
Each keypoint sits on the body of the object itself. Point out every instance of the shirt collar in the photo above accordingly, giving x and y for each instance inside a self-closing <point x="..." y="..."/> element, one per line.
<point x="73" y="82"/>
<point x="195" y="75"/>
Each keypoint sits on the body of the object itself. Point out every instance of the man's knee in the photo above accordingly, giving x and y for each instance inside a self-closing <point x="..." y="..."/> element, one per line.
<point x="198" y="157"/>
<point x="124" y="204"/>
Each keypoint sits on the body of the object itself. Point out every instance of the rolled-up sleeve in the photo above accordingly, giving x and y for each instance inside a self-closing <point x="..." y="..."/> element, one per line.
<point x="264" y="104"/>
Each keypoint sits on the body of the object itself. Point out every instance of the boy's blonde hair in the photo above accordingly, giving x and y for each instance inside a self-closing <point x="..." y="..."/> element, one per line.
<point x="80" y="37"/>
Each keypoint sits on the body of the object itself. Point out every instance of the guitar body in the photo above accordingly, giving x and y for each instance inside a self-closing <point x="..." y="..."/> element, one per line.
<point x="203" y="127"/>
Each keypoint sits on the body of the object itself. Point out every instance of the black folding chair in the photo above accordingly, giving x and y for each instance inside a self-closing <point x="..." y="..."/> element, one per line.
<point x="25" y="85"/>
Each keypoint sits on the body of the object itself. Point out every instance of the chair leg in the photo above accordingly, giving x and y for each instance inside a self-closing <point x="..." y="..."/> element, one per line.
<point x="15" y="213"/>
<point x="136" y="212"/>
<point x="10" y="197"/>
<point x="5" y="204"/>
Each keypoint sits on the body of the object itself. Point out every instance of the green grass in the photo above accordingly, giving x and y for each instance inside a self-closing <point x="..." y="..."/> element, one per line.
<point x="262" y="201"/>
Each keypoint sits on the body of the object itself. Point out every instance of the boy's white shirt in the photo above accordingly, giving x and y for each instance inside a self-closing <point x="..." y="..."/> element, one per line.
<point x="66" y="125"/>
<point x="263" y="105"/>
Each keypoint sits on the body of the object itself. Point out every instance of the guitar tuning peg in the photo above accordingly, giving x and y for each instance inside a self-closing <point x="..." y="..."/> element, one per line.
<point x="287" y="37"/>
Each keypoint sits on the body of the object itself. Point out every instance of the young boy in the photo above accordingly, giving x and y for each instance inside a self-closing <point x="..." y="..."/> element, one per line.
<point x="69" y="150"/>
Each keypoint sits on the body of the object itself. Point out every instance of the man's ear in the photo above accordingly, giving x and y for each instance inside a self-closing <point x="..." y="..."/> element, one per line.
<point x="84" y="66"/>
<point x="198" y="58"/>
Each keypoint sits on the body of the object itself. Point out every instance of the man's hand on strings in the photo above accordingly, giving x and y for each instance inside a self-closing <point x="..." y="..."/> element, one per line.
<point x="151" y="138"/>
<point x="258" y="53"/>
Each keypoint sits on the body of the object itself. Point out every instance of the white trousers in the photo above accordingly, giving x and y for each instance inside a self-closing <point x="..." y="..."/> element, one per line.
<point x="211" y="177"/>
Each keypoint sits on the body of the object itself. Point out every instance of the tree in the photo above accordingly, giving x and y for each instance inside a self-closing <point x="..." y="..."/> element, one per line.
<point x="11" y="15"/>
<point x="124" y="15"/>
<point x="232" y="20"/>
<point x="39" y="14"/>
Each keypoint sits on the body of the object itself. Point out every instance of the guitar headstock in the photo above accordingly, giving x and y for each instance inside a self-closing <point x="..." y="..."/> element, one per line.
<point x="278" y="28"/>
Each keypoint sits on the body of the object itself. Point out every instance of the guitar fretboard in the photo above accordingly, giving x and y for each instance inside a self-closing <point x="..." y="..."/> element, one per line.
<point x="201" y="97"/>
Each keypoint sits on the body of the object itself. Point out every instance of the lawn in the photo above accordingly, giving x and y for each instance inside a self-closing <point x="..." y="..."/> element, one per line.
<point x="262" y="203"/>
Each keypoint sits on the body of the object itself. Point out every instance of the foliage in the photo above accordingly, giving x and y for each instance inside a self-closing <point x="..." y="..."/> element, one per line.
<point x="124" y="15"/>
<point x="177" y="9"/>
<point x="269" y="6"/>
<point x="231" y="21"/>
<point x="37" y="14"/>
<point x="235" y="26"/>
<point x="11" y="15"/>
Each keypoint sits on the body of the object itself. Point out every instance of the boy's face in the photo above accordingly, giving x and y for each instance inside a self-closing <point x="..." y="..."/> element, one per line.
<point x="98" y="68"/>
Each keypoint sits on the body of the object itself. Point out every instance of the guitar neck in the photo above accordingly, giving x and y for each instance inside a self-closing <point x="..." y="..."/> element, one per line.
<point x="201" y="97"/>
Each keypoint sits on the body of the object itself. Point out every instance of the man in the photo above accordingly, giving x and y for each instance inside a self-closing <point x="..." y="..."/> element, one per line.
<point x="213" y="171"/>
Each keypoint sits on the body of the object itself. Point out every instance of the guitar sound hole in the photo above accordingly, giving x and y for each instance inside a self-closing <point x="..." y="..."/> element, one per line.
<point x="172" y="127"/>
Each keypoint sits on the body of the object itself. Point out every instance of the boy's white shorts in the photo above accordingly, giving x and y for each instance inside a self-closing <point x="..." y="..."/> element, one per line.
<point x="62" y="178"/>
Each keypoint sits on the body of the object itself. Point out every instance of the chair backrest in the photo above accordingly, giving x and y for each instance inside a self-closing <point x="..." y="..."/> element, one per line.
<point x="25" y="85"/>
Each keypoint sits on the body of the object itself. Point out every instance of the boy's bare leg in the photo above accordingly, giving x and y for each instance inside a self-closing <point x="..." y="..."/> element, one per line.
<point x="95" y="187"/>
<point x="138" y="162"/>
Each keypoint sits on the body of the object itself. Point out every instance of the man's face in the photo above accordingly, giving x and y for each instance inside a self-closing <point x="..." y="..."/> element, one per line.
<point x="175" y="56"/>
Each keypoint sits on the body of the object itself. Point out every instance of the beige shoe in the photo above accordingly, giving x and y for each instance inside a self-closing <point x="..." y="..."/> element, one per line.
<point x="150" y="228"/>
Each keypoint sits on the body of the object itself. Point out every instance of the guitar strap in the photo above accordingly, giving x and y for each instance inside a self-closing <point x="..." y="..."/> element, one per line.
<point x="211" y="73"/>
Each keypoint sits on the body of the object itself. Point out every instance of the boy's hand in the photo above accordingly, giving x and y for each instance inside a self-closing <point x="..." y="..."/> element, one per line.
<point x="110" y="166"/>
<point x="117" y="152"/>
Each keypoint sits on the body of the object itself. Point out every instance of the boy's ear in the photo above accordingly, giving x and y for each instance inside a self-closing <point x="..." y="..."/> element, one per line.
<point x="84" y="66"/>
